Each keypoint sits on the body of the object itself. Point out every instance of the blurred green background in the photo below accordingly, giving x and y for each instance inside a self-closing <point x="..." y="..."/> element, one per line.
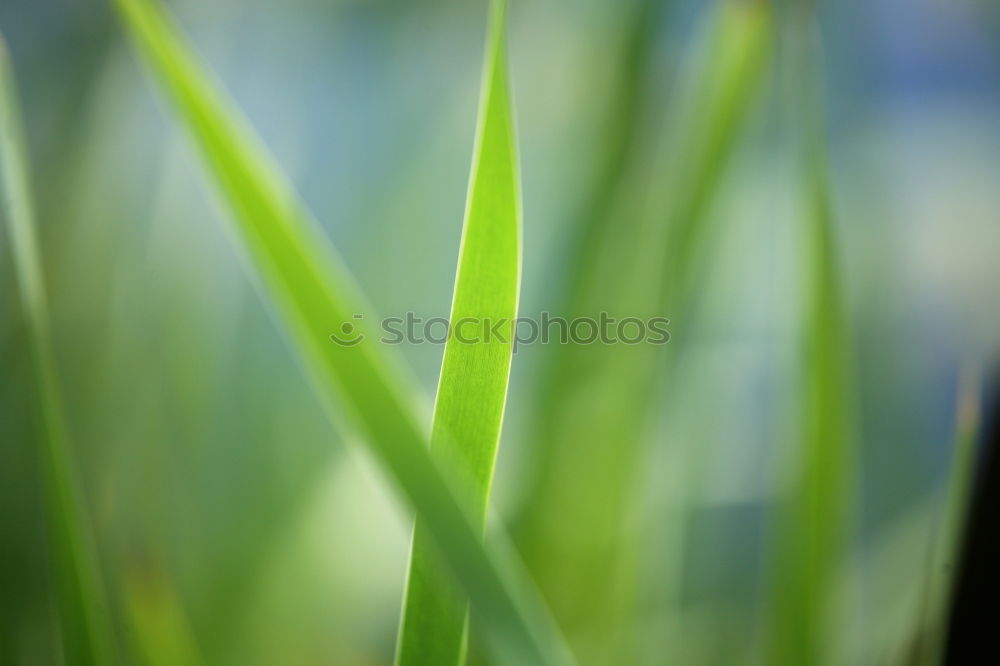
<point x="228" y="510"/>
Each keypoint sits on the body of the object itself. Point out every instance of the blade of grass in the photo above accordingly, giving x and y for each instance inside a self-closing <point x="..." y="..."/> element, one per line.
<point x="715" y="107"/>
<point x="472" y="388"/>
<point x="946" y="536"/>
<point x="316" y="298"/>
<point x="622" y="136"/>
<point x="163" y="636"/>
<point x="85" y="628"/>
<point x="974" y="581"/>
<point x="594" y="411"/>
<point x="815" y="519"/>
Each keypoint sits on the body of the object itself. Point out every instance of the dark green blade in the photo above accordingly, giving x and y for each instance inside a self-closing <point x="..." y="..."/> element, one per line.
<point x="86" y="631"/>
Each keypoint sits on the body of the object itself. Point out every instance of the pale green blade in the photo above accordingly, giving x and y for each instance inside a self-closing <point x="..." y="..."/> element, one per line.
<point x="316" y="298"/>
<point x="814" y="521"/>
<point x="594" y="409"/>
<point x="86" y="632"/>
<point x="715" y="112"/>
<point x="473" y="383"/>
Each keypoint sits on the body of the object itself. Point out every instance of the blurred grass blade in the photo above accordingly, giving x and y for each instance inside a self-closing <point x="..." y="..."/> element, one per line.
<point x="947" y="533"/>
<point x="316" y="298"/>
<point x="86" y="632"/>
<point x="815" y="520"/>
<point x="715" y="110"/>
<point x="473" y="385"/>
<point x="622" y="135"/>
<point x="594" y="407"/>
<point x="162" y="633"/>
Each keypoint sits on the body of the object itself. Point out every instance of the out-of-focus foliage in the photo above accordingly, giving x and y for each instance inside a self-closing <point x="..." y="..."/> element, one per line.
<point x="79" y="593"/>
<point x="232" y="525"/>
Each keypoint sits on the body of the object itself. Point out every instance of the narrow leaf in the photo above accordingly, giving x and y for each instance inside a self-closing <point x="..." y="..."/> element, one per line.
<point x="815" y="519"/>
<point x="946" y="535"/>
<point x="161" y="632"/>
<point x="316" y="298"/>
<point x="716" y="107"/>
<point x="86" y="632"/>
<point x="594" y="409"/>
<point x="473" y="385"/>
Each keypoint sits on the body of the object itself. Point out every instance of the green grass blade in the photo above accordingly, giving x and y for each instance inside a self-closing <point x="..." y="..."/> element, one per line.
<point x="472" y="388"/>
<point x="85" y="629"/>
<point x="595" y="407"/>
<point x="715" y="112"/>
<point x="622" y="140"/>
<point x="946" y="536"/>
<point x="315" y="297"/>
<point x="160" y="628"/>
<point x="814" y="521"/>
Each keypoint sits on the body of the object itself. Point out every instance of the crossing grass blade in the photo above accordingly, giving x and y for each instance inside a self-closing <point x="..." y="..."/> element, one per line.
<point x="472" y="389"/>
<point x="316" y="298"/>
<point x="814" y="521"/>
<point x="84" y="625"/>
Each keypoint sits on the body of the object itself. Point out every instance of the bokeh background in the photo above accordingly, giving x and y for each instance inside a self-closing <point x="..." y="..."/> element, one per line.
<point x="230" y="511"/>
